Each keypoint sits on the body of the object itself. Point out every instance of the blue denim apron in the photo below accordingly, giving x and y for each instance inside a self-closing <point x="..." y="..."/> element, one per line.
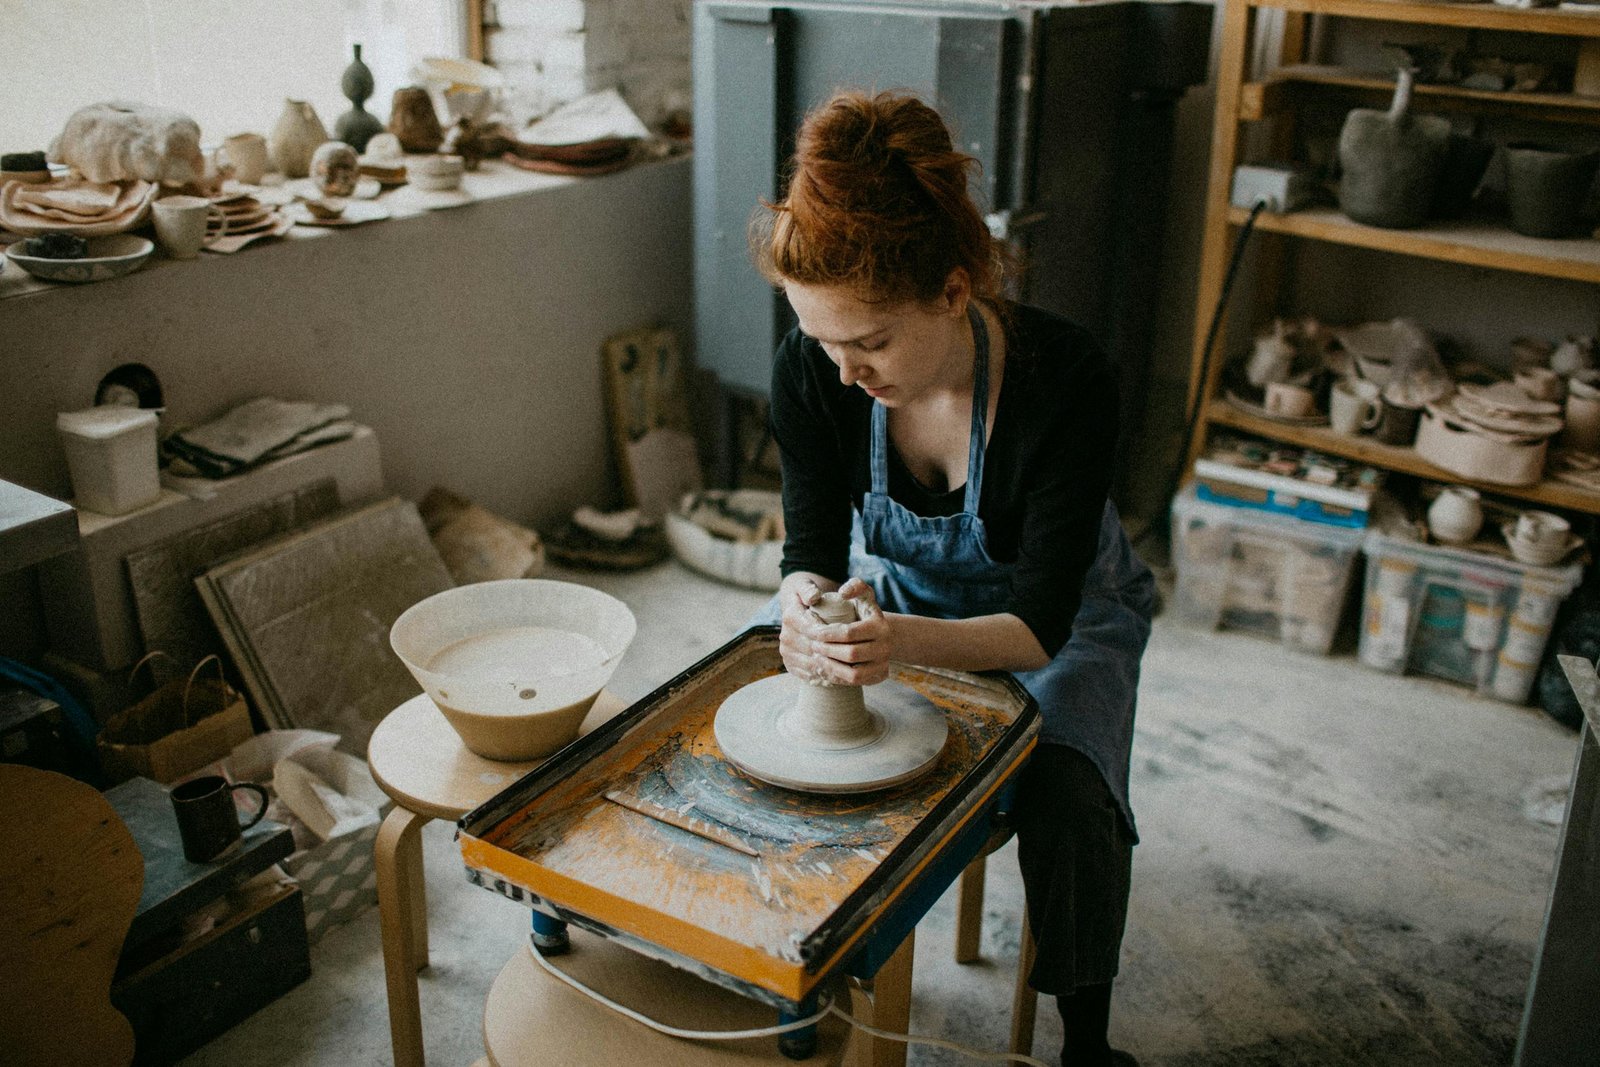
<point x="939" y="566"/>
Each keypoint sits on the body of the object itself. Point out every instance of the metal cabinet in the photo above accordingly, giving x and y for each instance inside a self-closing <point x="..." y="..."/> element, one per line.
<point x="1068" y="109"/>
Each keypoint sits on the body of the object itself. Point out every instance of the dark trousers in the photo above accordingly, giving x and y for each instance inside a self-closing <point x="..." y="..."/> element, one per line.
<point x="1076" y="855"/>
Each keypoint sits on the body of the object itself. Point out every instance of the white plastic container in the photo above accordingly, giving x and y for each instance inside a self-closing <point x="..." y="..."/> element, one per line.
<point x="111" y="455"/>
<point x="1465" y="616"/>
<point x="1274" y="575"/>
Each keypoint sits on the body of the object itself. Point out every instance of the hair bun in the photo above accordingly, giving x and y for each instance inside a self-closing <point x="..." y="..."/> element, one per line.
<point x="877" y="199"/>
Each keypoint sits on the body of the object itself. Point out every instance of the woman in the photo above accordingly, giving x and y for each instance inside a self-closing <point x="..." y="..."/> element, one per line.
<point x="946" y="462"/>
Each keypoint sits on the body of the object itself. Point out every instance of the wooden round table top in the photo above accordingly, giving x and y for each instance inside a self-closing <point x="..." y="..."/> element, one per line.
<point x="418" y="759"/>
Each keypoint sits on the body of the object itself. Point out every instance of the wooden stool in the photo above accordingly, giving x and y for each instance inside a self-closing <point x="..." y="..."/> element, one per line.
<point x="533" y="1019"/>
<point x="969" y="932"/>
<point x="419" y="760"/>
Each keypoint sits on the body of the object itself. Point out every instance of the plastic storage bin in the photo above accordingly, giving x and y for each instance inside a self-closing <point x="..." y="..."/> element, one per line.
<point x="1460" y="615"/>
<point x="1268" y="574"/>
<point x="111" y="455"/>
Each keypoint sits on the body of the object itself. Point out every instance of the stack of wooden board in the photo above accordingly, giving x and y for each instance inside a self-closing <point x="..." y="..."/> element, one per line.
<point x="306" y="617"/>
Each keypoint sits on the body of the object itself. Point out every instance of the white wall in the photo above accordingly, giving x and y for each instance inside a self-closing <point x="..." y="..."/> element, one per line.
<point x="552" y="51"/>
<point x="228" y="65"/>
<point x="469" y="339"/>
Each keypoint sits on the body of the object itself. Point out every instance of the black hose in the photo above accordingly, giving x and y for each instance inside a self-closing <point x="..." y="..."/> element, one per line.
<point x="1198" y="405"/>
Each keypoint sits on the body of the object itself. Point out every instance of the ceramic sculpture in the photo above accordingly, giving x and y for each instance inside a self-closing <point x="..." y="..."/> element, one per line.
<point x="121" y="141"/>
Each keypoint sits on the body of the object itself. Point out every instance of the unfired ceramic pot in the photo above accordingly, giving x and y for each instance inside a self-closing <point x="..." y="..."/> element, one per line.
<point x="413" y="120"/>
<point x="1456" y="515"/>
<point x="295" y="138"/>
<point x="1547" y="189"/>
<point x="1391" y="162"/>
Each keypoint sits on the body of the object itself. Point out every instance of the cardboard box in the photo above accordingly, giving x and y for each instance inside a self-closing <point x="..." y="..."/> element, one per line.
<point x="338" y="879"/>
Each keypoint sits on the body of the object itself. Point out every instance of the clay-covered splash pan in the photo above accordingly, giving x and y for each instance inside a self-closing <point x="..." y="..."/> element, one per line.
<point x="770" y="892"/>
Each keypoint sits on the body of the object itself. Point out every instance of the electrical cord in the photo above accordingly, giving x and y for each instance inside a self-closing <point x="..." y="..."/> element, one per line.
<point x="1192" y="415"/>
<point x="828" y="1008"/>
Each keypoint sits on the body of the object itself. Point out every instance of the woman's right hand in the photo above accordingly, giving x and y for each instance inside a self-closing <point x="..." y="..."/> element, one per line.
<point x="799" y="638"/>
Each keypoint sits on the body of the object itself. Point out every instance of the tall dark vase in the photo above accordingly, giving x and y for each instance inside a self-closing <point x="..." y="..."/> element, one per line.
<point x="357" y="126"/>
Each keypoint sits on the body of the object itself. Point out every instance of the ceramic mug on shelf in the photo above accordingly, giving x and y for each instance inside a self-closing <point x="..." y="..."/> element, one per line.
<point x="1354" y="406"/>
<point x="181" y="224"/>
<point x="1582" y="430"/>
<point x="1542" y="529"/>
<point x="1290" y="401"/>
<point x="1397" y="425"/>
<point x="248" y="154"/>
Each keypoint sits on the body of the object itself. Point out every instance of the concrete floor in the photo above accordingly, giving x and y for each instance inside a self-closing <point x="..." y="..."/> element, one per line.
<point x="1337" y="867"/>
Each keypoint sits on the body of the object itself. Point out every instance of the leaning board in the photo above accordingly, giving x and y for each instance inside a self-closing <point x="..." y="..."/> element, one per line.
<point x="826" y="869"/>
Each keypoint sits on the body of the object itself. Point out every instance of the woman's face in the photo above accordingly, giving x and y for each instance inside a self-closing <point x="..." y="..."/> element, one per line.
<point x="896" y="351"/>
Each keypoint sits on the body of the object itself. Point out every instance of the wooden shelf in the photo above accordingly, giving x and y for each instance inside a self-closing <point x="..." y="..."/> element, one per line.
<point x="1484" y="16"/>
<point x="1260" y="99"/>
<point x="1390" y="457"/>
<point x="1475" y="244"/>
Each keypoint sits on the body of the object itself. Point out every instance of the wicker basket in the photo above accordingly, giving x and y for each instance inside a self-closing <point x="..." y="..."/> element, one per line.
<point x="751" y="564"/>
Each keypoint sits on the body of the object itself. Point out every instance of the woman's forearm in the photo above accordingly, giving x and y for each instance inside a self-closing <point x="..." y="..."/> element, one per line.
<point x="987" y="642"/>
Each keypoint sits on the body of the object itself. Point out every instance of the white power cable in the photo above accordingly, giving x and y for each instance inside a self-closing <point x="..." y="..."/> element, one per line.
<point x="828" y="1008"/>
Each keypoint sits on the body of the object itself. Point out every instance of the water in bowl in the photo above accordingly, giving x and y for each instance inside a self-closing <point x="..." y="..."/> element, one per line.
<point x="519" y="654"/>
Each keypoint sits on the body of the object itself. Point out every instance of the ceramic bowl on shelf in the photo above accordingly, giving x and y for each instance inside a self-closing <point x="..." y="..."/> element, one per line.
<point x="109" y="257"/>
<point x="1539" y="554"/>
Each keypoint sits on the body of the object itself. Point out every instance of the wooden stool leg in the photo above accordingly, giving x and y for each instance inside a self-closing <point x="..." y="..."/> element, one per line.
<point x="419" y="904"/>
<point x="969" y="911"/>
<point x="1024" y="1001"/>
<point x="891" y="1004"/>
<point x="397" y="857"/>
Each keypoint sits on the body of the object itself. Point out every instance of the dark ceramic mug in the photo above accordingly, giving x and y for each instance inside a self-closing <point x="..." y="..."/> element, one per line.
<point x="208" y="822"/>
<point x="1397" y="423"/>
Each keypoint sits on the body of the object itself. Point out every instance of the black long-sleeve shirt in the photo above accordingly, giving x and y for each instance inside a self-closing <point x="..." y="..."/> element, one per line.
<point x="1046" y="475"/>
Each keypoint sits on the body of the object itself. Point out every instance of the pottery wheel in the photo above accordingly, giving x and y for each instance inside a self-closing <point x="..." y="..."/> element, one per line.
<point x="761" y="734"/>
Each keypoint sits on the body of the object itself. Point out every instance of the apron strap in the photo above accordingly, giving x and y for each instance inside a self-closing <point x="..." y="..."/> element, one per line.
<point x="980" y="409"/>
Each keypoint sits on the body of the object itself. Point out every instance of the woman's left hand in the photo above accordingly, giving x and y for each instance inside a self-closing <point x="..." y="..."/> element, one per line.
<point x="855" y="653"/>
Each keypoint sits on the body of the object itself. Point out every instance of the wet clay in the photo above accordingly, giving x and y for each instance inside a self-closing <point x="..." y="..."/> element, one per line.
<point x="820" y="738"/>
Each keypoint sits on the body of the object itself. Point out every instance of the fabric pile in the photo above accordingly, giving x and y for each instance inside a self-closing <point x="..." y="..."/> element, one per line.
<point x="76" y="206"/>
<point x="255" y="432"/>
<point x="594" y="134"/>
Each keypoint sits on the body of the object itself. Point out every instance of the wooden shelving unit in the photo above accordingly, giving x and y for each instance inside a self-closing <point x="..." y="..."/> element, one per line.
<point x="1490" y="244"/>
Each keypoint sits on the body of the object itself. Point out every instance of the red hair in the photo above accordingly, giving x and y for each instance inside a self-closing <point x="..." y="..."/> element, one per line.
<point x="877" y="200"/>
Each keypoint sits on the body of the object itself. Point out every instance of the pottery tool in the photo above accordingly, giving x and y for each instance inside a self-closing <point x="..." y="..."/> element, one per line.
<point x="820" y="738"/>
<point x="840" y="879"/>
<point x="699" y="827"/>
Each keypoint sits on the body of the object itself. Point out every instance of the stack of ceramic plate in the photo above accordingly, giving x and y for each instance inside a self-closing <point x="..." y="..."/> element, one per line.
<point x="1505" y="410"/>
<point x="245" y="214"/>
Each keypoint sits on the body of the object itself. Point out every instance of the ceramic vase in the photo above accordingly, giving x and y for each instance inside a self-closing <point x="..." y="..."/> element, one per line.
<point x="1391" y="162"/>
<point x="1456" y="515"/>
<point x="413" y="120"/>
<point x="1546" y="189"/>
<point x="295" y="139"/>
<point x="358" y="125"/>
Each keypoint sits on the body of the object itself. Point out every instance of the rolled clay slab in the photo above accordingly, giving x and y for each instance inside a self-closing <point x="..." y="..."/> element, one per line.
<point x="756" y="730"/>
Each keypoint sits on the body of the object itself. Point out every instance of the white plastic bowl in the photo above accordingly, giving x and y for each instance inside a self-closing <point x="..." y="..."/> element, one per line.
<point x="514" y="665"/>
